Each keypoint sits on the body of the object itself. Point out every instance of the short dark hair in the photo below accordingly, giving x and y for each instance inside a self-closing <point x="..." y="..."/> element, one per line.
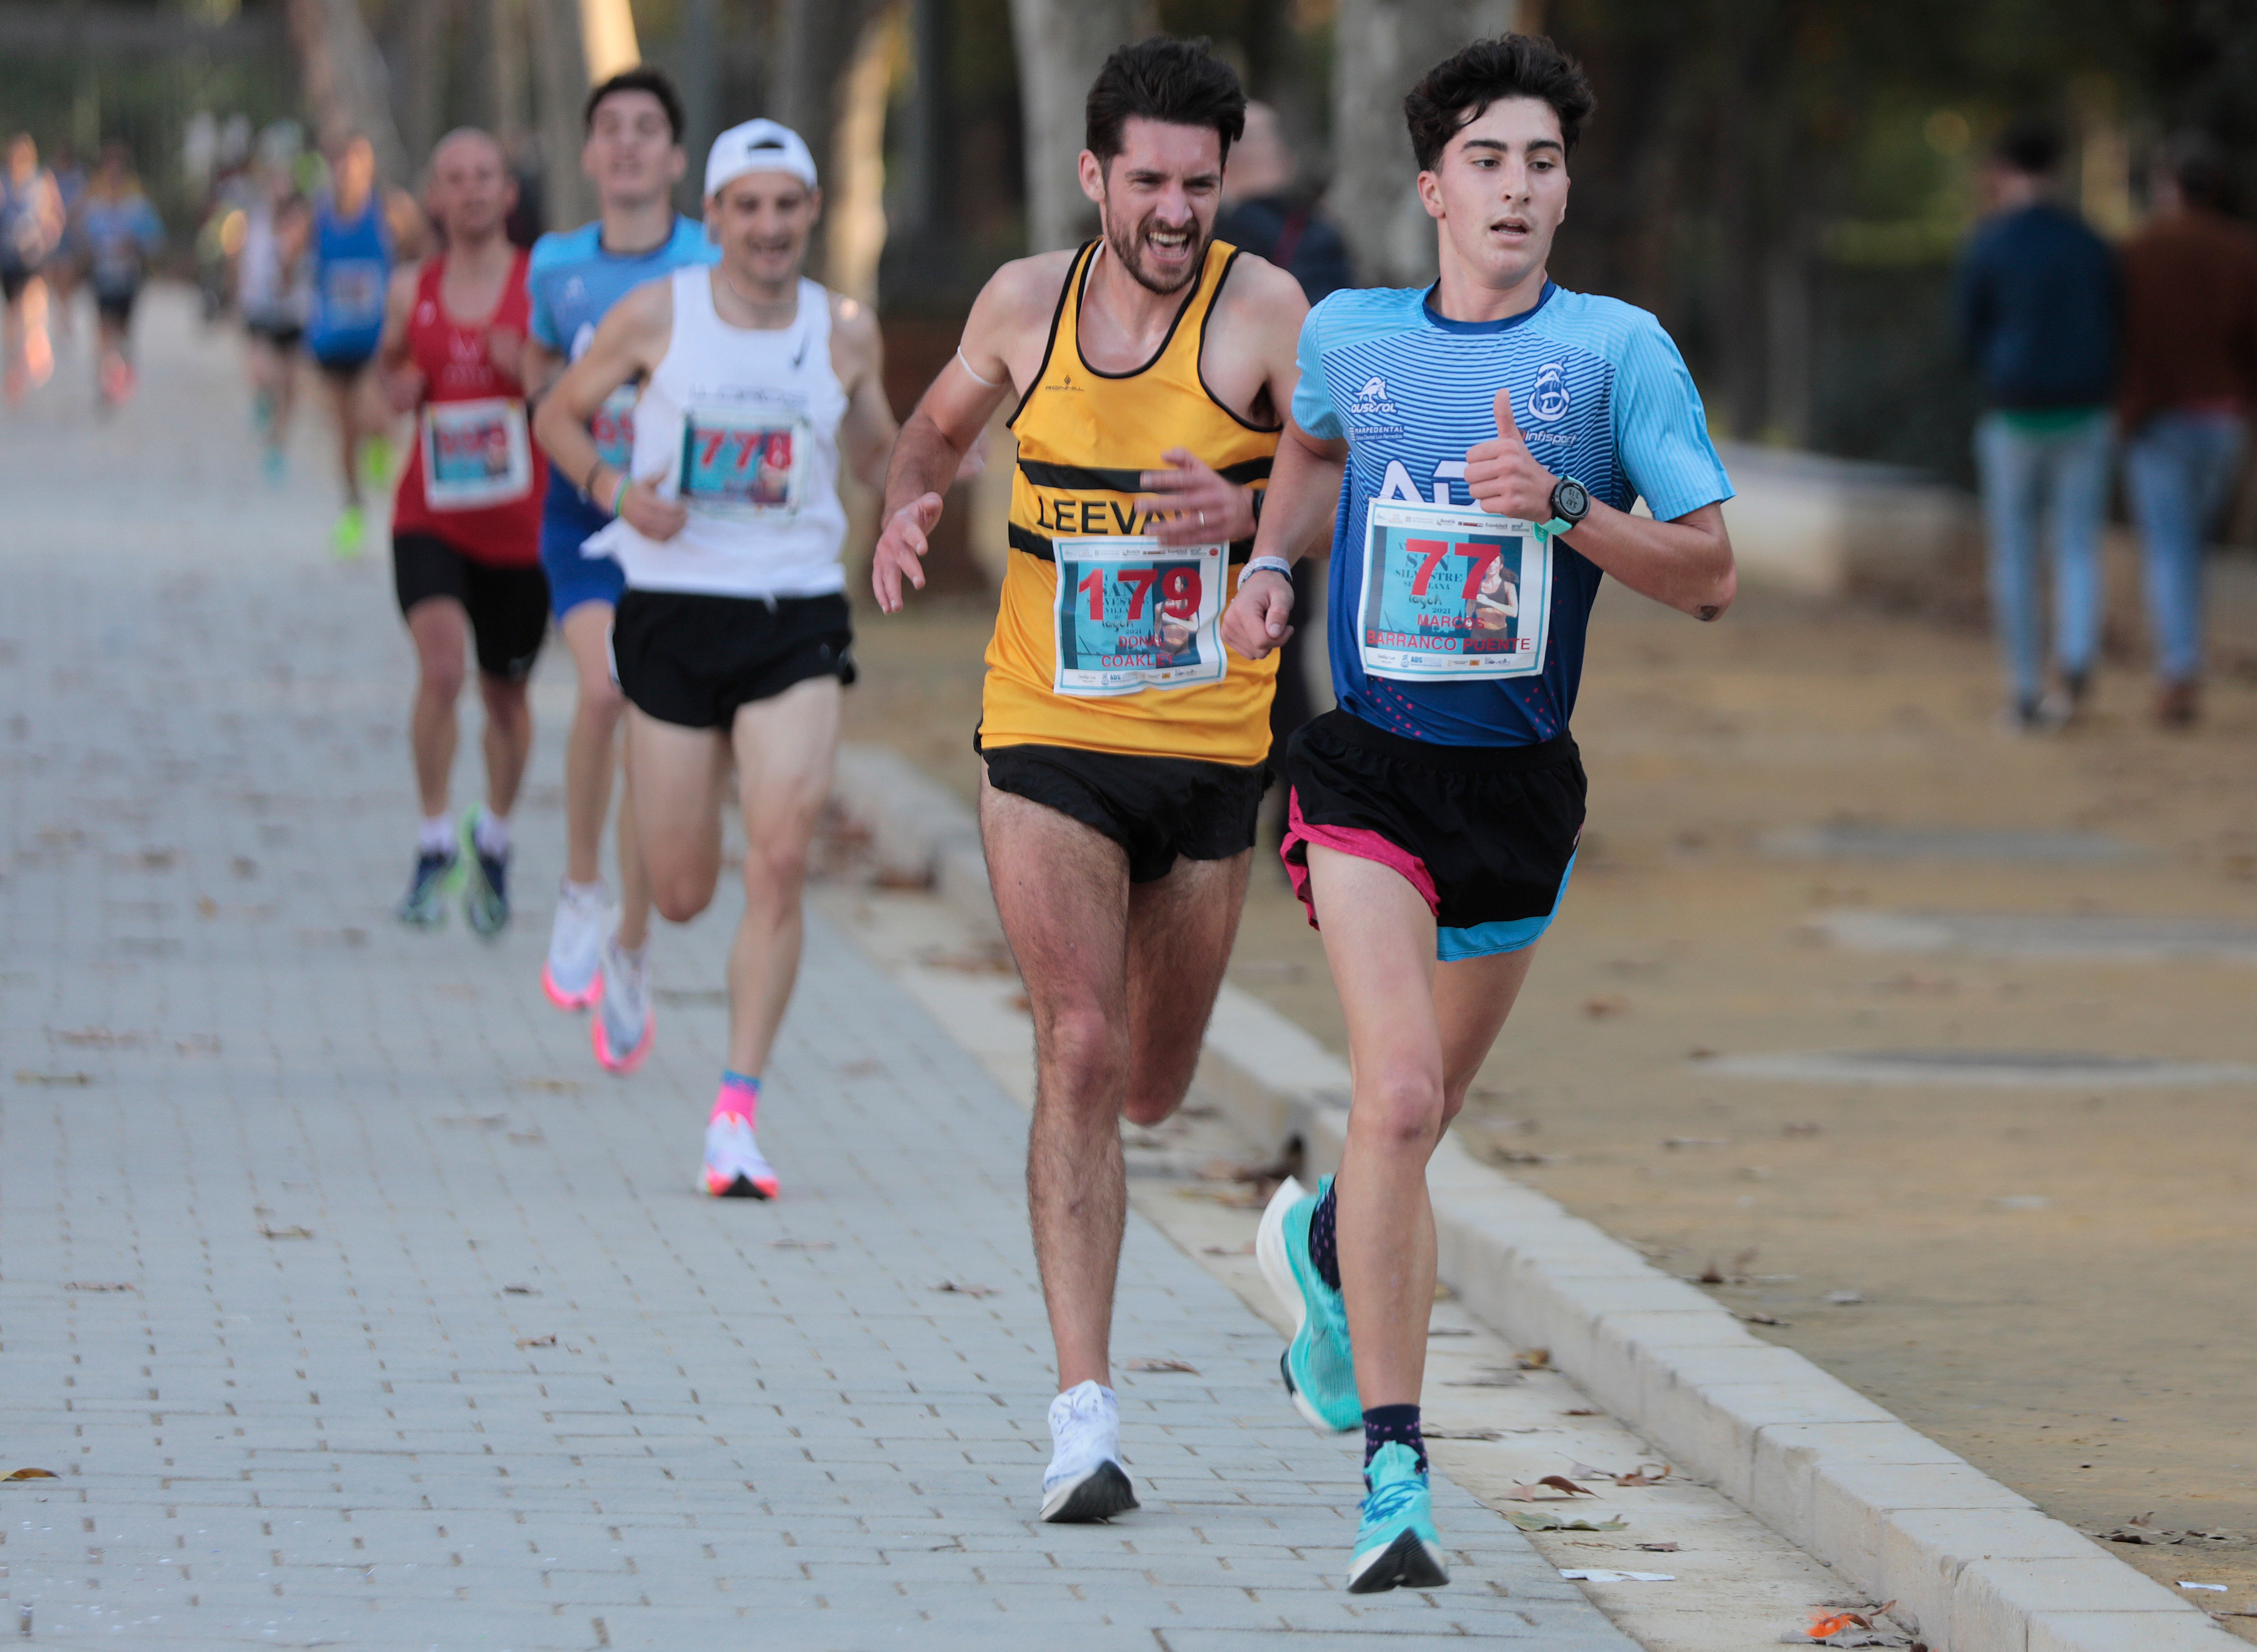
<point x="1178" y="81"/>
<point x="643" y="77"/>
<point x="1457" y="91"/>
<point x="2031" y="145"/>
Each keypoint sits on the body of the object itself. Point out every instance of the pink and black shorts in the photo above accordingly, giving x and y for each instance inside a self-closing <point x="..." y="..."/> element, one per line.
<point x="1486" y="833"/>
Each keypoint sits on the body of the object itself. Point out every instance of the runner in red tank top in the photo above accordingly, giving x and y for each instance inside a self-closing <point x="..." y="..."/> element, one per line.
<point x="466" y="525"/>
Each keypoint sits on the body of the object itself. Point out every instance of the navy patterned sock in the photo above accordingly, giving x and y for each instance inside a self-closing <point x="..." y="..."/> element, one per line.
<point x="1392" y="1425"/>
<point x="1324" y="1239"/>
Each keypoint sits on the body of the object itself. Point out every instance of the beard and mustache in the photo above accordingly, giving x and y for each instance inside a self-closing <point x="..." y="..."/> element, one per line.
<point x="1130" y="244"/>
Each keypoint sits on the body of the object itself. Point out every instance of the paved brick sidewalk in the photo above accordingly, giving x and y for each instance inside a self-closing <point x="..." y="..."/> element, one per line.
<point x="353" y="1306"/>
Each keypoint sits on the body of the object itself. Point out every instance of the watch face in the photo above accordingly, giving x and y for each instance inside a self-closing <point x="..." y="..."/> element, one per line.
<point x="1571" y="500"/>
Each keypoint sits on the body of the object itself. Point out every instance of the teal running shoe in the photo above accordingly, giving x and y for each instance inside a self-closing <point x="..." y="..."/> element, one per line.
<point x="1396" y="1547"/>
<point x="1319" y="1366"/>
<point x="424" y="906"/>
<point x="486" y="887"/>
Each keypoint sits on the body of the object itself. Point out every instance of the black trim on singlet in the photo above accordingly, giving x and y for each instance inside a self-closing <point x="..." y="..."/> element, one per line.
<point x="1182" y="310"/>
<point x="1050" y="343"/>
<point x="1035" y="544"/>
<point x="1198" y="358"/>
<point x="1090" y="479"/>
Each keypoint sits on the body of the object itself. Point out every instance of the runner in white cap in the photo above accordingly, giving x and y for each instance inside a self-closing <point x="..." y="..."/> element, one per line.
<point x="731" y="640"/>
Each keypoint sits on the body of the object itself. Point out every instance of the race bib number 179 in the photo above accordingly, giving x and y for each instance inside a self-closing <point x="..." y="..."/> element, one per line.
<point x="1450" y="595"/>
<point x="1133" y="614"/>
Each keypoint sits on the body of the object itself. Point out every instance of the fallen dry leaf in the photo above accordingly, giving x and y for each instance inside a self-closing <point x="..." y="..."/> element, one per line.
<point x="1540" y="1520"/>
<point x="1822" y="1625"/>
<point x="1534" y="1359"/>
<point x="1686" y="1144"/>
<point x="1559" y="1483"/>
<point x="1658" y="1548"/>
<point x="33" y="1475"/>
<point x="266" y="1232"/>
<point x="957" y="1287"/>
<point x="1642" y="1475"/>
<point x="520" y="1290"/>
<point x="1164" y="1365"/>
<point x="1765" y="1319"/>
<point x="1580" y="1411"/>
<point x="1600" y="1008"/>
<point x="800" y="1244"/>
<point x="549" y="1341"/>
<point x="89" y="1284"/>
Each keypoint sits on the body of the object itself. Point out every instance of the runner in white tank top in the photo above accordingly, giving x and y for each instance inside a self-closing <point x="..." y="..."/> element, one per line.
<point x="731" y="640"/>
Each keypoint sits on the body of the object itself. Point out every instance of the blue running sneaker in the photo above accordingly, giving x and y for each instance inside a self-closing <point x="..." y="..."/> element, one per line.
<point x="485" y="889"/>
<point x="1396" y="1547"/>
<point x="424" y="906"/>
<point x="1319" y="1364"/>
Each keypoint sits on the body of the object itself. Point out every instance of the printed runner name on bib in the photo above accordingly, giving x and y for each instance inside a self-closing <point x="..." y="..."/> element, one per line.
<point x="1453" y="594"/>
<point x="612" y="428"/>
<point x="352" y="293"/>
<point x="740" y="464"/>
<point x="475" y="454"/>
<point x="1133" y="614"/>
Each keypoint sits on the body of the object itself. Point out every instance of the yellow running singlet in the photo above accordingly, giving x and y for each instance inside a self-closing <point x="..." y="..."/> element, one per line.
<point x="1125" y="654"/>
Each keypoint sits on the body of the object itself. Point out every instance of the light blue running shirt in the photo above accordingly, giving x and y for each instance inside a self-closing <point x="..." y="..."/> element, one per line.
<point x="1601" y="394"/>
<point x="574" y="283"/>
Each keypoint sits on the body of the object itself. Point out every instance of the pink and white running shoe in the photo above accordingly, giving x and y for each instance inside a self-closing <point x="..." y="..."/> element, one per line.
<point x="734" y="1168"/>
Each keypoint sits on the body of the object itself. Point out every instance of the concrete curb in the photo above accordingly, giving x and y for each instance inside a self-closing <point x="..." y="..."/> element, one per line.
<point x="1902" y="1518"/>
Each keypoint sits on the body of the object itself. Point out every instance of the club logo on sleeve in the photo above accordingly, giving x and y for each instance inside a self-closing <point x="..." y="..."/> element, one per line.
<point x="1370" y="413"/>
<point x="1549" y="401"/>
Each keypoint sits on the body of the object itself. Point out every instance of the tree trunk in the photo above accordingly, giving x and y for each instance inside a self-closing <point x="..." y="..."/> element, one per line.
<point x="502" y="36"/>
<point x="816" y="42"/>
<point x="1380" y="49"/>
<point x="560" y="86"/>
<point x="343" y="78"/>
<point x="1062" y="44"/>
<point x="422" y="100"/>
<point x="607" y="38"/>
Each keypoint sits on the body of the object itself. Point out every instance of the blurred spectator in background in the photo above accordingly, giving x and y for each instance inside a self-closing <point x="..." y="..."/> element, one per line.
<point x="31" y="225"/>
<point x="2189" y="379"/>
<point x="1265" y="212"/>
<point x="2036" y="312"/>
<point x="62" y="274"/>
<point x="274" y="289"/>
<point x="118" y="231"/>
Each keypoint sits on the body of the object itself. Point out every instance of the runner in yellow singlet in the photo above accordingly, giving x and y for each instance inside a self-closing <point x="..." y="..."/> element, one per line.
<point x="1123" y="745"/>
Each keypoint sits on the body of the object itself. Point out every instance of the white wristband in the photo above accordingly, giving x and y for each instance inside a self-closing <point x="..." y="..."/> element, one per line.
<point x="1269" y="565"/>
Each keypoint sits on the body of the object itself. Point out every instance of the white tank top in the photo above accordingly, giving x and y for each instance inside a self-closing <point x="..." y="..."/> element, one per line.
<point x="741" y="425"/>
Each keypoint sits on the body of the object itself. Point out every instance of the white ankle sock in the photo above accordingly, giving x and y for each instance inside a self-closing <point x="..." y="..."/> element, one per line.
<point x="492" y="833"/>
<point x="590" y="894"/>
<point x="435" y="837"/>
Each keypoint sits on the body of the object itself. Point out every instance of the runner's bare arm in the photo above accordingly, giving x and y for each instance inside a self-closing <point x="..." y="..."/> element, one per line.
<point x="1685" y="564"/>
<point x="537" y="367"/>
<point x="403" y="384"/>
<point x="1257" y="319"/>
<point x="629" y="342"/>
<point x="865" y="434"/>
<point x="1002" y="344"/>
<point x="1296" y="521"/>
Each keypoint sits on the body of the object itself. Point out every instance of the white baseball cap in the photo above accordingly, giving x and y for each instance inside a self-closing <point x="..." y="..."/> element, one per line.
<point x="762" y="145"/>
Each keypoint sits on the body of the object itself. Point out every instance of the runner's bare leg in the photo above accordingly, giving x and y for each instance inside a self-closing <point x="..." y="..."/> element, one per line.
<point x="590" y="748"/>
<point x="785" y="750"/>
<point x="441" y="633"/>
<point x="1180" y="931"/>
<point x="675" y="781"/>
<point x="1417" y="1035"/>
<point x="508" y="740"/>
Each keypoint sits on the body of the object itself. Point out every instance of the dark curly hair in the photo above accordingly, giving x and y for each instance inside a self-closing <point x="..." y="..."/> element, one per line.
<point x="1457" y="90"/>
<point x="1177" y="82"/>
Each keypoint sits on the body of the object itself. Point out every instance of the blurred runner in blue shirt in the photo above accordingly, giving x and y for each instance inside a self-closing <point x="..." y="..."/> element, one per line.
<point x="118" y="231"/>
<point x="633" y="155"/>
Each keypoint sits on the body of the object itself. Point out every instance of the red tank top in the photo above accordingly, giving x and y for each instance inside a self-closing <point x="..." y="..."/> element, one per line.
<point x="474" y="477"/>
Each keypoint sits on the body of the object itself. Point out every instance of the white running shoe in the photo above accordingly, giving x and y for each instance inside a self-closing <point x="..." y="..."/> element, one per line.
<point x="1085" y="1481"/>
<point x="734" y="1168"/>
<point x="620" y="1029"/>
<point x="572" y="974"/>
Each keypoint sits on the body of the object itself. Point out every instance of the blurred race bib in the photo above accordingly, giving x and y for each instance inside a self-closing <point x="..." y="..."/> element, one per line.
<point x="1451" y="593"/>
<point x="475" y="454"/>
<point x="743" y="465"/>
<point x="352" y="294"/>
<point x="612" y="428"/>
<point x="1133" y="614"/>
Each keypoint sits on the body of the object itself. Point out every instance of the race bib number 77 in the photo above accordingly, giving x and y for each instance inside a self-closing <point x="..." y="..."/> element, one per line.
<point x="1133" y="614"/>
<point x="1450" y="595"/>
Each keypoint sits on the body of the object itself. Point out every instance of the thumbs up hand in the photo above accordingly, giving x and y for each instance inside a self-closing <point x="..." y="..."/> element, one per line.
<point x="1505" y="478"/>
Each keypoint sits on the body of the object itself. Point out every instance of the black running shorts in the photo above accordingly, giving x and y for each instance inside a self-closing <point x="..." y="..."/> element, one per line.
<point x="1154" y="807"/>
<point x="691" y="659"/>
<point x="508" y="606"/>
<point x="1485" y="833"/>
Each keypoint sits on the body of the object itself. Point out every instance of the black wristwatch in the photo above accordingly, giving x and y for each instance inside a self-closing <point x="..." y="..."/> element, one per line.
<point x="1571" y="503"/>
